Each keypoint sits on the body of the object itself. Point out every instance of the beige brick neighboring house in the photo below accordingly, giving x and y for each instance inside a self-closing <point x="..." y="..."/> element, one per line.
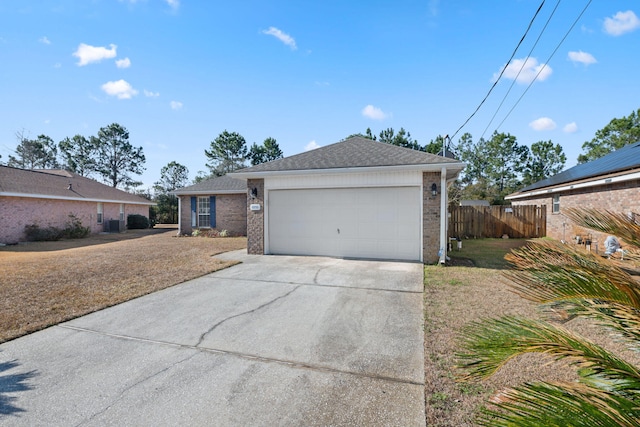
<point x="611" y="183"/>
<point x="357" y="198"/>
<point x="217" y="203"/>
<point x="48" y="197"/>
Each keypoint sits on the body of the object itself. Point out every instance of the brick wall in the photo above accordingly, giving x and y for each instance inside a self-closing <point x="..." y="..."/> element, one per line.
<point x="618" y="198"/>
<point x="430" y="218"/>
<point x="255" y="219"/>
<point x="231" y="214"/>
<point x="17" y="212"/>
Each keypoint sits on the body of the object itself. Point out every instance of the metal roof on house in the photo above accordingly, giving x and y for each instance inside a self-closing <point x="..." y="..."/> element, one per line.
<point x="217" y="185"/>
<point x="354" y="152"/>
<point x="625" y="158"/>
<point x="60" y="184"/>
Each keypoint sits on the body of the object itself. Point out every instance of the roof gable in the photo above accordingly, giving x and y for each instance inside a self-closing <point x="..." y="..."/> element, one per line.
<point x="354" y="152"/>
<point x="626" y="158"/>
<point x="57" y="184"/>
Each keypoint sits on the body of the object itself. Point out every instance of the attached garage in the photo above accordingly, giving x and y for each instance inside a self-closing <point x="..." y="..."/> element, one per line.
<point x="357" y="198"/>
<point x="379" y="223"/>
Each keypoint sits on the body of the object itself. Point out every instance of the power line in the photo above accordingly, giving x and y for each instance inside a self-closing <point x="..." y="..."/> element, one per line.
<point x="521" y="68"/>
<point x="545" y="64"/>
<point x="501" y="72"/>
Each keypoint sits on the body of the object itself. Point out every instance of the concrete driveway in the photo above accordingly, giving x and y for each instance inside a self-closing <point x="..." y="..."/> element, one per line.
<point x="274" y="341"/>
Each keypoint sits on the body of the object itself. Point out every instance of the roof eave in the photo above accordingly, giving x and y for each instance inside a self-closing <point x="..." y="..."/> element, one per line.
<point x="77" y="199"/>
<point x="186" y="193"/>
<point x="602" y="180"/>
<point x="430" y="167"/>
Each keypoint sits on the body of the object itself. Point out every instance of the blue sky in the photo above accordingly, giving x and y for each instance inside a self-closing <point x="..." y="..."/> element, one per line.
<point x="176" y="73"/>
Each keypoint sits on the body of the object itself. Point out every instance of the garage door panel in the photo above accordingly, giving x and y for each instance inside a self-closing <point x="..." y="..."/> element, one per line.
<point x="380" y="223"/>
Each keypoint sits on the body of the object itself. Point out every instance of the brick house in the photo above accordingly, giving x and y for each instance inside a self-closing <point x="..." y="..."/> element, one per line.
<point x="48" y="197"/>
<point x="611" y="183"/>
<point x="217" y="203"/>
<point x="356" y="198"/>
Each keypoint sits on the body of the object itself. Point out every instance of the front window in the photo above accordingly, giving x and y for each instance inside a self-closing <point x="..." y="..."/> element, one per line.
<point x="556" y="203"/>
<point x="99" y="213"/>
<point x="204" y="213"/>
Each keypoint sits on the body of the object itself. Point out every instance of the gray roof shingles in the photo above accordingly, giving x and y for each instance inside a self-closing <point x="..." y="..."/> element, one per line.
<point x="221" y="184"/>
<point x="625" y="158"/>
<point x="354" y="152"/>
<point x="61" y="185"/>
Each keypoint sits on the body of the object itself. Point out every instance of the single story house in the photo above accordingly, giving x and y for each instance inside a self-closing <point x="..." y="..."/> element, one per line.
<point x="47" y="198"/>
<point x="356" y="198"/>
<point x="217" y="203"/>
<point x="611" y="183"/>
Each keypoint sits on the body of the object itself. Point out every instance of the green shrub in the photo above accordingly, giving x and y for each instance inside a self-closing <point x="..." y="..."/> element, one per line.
<point x="74" y="228"/>
<point x="137" y="222"/>
<point x="36" y="234"/>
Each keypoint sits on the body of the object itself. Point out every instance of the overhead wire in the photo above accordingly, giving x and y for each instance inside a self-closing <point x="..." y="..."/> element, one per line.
<point x="524" y="63"/>
<point x="546" y="62"/>
<point x="501" y="72"/>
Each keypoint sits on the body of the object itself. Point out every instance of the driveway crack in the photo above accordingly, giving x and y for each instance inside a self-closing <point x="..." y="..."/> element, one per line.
<point x="212" y="328"/>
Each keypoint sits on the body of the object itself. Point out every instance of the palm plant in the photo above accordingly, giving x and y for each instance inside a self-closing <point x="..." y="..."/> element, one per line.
<point x="566" y="282"/>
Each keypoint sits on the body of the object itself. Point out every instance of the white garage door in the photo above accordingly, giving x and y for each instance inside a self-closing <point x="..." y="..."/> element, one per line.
<point x="379" y="223"/>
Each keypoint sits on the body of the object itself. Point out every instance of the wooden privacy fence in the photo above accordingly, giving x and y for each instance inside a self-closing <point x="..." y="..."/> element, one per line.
<point x="525" y="221"/>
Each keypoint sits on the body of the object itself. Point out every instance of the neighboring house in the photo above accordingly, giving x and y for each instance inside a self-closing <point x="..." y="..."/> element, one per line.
<point x="217" y="203"/>
<point x="609" y="183"/>
<point x="356" y="198"/>
<point x="47" y="198"/>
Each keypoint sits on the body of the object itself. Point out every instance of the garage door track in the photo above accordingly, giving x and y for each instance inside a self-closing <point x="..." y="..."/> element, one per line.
<point x="276" y="340"/>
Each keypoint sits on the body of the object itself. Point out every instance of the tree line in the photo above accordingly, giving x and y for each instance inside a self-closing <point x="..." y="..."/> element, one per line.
<point x="495" y="168"/>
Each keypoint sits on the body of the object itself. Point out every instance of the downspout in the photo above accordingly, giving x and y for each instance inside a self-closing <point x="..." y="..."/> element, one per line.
<point x="179" y="215"/>
<point x="442" y="253"/>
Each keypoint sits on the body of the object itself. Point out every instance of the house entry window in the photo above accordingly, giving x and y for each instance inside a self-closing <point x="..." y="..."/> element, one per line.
<point x="99" y="213"/>
<point x="556" y="203"/>
<point x="204" y="212"/>
<point x="121" y="211"/>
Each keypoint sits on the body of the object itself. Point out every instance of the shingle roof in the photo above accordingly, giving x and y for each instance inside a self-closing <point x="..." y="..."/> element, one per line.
<point x="57" y="184"/>
<point x="355" y="152"/>
<point x="625" y="158"/>
<point x="221" y="184"/>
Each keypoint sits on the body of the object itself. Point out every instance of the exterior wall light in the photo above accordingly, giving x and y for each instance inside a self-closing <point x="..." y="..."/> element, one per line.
<point x="434" y="189"/>
<point x="254" y="192"/>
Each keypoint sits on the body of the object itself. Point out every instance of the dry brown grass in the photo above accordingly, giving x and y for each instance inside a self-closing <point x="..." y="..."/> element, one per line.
<point x="45" y="283"/>
<point x="461" y="293"/>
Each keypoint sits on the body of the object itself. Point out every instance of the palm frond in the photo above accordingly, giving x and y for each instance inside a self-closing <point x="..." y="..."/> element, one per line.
<point x="619" y="224"/>
<point x="547" y="271"/>
<point x="491" y="343"/>
<point x="560" y="404"/>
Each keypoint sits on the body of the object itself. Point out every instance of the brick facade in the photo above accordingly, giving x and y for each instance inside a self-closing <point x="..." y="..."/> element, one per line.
<point x="18" y="212"/>
<point x="231" y="213"/>
<point x="255" y="219"/>
<point x="618" y="198"/>
<point x="430" y="218"/>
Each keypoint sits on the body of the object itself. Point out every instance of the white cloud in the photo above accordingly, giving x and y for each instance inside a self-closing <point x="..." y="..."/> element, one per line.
<point x="176" y="105"/>
<point x="283" y="37"/>
<point x="57" y="65"/>
<point x="120" y="89"/>
<point x="570" y="128"/>
<point x="433" y="7"/>
<point x="622" y="22"/>
<point x="123" y="63"/>
<point x="311" y="146"/>
<point x="374" y="113"/>
<point x="174" y="4"/>
<point x="530" y="69"/>
<point x="582" y="57"/>
<point x="44" y="40"/>
<point x="543" y="123"/>
<point x="150" y="94"/>
<point x="88" y="54"/>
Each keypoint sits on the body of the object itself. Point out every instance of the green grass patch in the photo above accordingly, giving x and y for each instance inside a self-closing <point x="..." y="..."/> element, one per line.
<point x="486" y="253"/>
